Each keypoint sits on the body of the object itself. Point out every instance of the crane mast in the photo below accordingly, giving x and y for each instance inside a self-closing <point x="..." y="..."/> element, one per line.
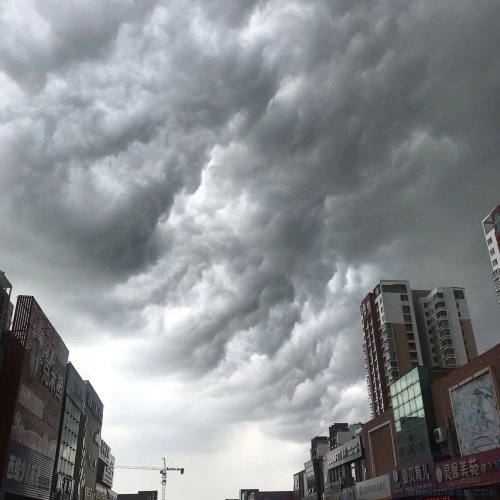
<point x="163" y="471"/>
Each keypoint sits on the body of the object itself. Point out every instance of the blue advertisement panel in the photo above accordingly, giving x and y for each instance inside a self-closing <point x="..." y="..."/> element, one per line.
<point x="27" y="472"/>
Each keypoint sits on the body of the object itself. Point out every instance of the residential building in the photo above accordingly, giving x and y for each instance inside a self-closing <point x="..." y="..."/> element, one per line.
<point x="405" y="328"/>
<point x="341" y="433"/>
<point x="445" y="327"/>
<point x="491" y="227"/>
<point x="6" y="306"/>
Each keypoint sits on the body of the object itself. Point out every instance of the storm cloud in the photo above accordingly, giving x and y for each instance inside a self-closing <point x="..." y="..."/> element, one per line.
<point x="209" y="189"/>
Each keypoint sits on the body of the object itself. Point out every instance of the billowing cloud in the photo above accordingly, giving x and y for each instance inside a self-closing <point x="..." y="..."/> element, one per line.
<point x="204" y="191"/>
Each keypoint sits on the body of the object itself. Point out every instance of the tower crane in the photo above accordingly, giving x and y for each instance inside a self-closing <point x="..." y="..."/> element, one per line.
<point x="163" y="471"/>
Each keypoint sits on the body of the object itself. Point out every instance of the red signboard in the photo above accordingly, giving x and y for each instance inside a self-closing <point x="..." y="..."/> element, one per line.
<point x="480" y="469"/>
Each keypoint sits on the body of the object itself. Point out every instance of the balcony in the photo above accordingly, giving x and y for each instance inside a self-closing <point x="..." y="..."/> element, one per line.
<point x="495" y="274"/>
<point x="446" y="342"/>
<point x="387" y="327"/>
<point x="390" y="356"/>
<point x="444" y="323"/>
<point x="450" y="362"/>
<point x="388" y="345"/>
<point x="445" y="333"/>
<point x="448" y="352"/>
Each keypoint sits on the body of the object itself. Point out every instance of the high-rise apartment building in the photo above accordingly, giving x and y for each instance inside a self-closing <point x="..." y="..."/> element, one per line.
<point x="405" y="328"/>
<point x="491" y="226"/>
<point x="6" y="306"/>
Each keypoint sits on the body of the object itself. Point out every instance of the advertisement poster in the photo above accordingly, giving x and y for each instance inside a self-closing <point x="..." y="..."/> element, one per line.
<point x="476" y="415"/>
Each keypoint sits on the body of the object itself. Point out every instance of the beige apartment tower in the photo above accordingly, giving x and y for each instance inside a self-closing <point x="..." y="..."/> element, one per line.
<point x="405" y="328"/>
<point x="491" y="227"/>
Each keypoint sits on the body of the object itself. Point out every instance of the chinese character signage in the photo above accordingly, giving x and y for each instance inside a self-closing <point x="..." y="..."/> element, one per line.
<point x="378" y="488"/>
<point x="27" y="473"/>
<point x="344" y="454"/>
<point x="416" y="478"/>
<point x="75" y="387"/>
<point x="93" y="403"/>
<point x="473" y="470"/>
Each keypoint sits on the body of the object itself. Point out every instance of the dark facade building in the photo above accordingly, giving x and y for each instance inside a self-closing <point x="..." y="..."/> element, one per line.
<point x="344" y="466"/>
<point x="31" y="391"/>
<point x="299" y="485"/>
<point x="6" y="306"/>
<point x="105" y="471"/>
<point x="141" y="495"/>
<point x="92" y="436"/>
<point x="66" y="473"/>
<point x="413" y="411"/>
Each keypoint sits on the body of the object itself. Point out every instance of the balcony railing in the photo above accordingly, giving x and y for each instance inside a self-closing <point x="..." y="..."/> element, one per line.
<point x="445" y="333"/>
<point x="444" y="323"/>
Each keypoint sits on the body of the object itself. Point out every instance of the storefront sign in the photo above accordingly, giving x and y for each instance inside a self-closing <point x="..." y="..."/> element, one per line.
<point x="27" y="473"/>
<point x="416" y="476"/>
<point x="76" y="388"/>
<point x="344" y="454"/>
<point x="471" y="471"/>
<point x="378" y="488"/>
<point x="94" y="407"/>
<point x="52" y="379"/>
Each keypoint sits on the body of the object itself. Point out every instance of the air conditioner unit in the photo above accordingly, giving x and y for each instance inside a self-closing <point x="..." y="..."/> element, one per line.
<point x="441" y="435"/>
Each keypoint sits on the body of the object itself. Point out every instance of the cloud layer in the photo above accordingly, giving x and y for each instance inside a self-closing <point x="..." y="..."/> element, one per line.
<point x="204" y="191"/>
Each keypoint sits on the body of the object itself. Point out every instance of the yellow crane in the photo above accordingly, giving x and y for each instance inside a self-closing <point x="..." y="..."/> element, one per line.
<point x="163" y="471"/>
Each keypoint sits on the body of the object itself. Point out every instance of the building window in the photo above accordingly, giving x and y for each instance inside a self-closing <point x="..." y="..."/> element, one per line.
<point x="490" y="241"/>
<point x="404" y="298"/>
<point x="431" y="340"/>
<point x="458" y="305"/>
<point x="406" y="310"/>
<point x="433" y="350"/>
<point x="459" y="315"/>
<point x="492" y="251"/>
<point x="407" y="318"/>
<point x="427" y="313"/>
<point x="428" y="323"/>
<point x="434" y="359"/>
<point x="459" y="294"/>
<point x="409" y="328"/>
<point x="495" y="262"/>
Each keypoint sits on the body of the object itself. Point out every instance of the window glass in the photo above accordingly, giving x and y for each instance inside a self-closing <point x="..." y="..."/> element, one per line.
<point x="411" y="392"/>
<point x="407" y="408"/>
<point x="419" y="403"/>
<point x="417" y="390"/>
<point x="398" y="426"/>
<point x="396" y="414"/>
<point x="405" y="396"/>
<point x="413" y="405"/>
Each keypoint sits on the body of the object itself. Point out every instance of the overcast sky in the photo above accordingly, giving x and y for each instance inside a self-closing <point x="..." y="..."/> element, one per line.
<point x="200" y="192"/>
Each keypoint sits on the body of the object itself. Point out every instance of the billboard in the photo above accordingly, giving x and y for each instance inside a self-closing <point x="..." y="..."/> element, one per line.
<point x="415" y="477"/>
<point x="475" y="410"/>
<point x="37" y="411"/>
<point x="378" y="488"/>
<point x="345" y="453"/>
<point x="480" y="469"/>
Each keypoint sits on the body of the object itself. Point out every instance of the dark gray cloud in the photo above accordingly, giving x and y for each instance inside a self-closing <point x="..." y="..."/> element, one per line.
<point x="218" y="185"/>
